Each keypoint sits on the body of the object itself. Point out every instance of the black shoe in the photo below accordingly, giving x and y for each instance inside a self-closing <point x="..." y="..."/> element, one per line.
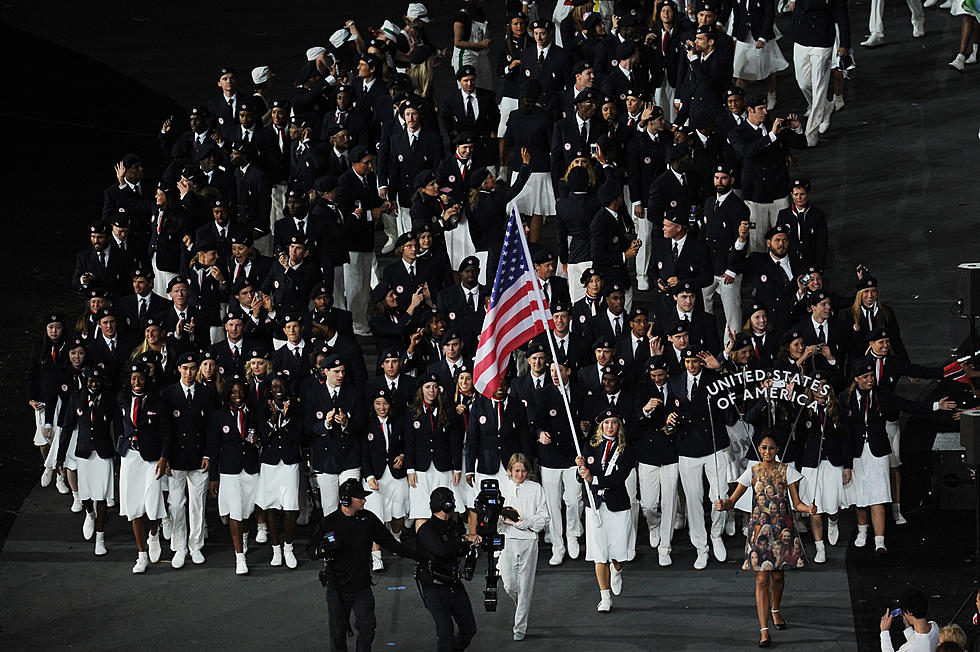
<point x="781" y="625"/>
<point x="766" y="642"/>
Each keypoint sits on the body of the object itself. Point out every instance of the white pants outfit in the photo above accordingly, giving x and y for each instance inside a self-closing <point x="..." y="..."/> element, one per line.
<point x="876" y="19"/>
<point x="160" y="278"/>
<point x="658" y="499"/>
<point x="186" y="499"/>
<point x="140" y="491"/>
<point x="329" y="485"/>
<point x="632" y="490"/>
<point x="731" y="299"/>
<point x="95" y="478"/>
<point x="692" y="471"/>
<point x="561" y="485"/>
<point x="390" y="501"/>
<point x="644" y="232"/>
<point x="278" y="487"/>
<point x="360" y="275"/>
<point x="812" y="65"/>
<point x="764" y="215"/>
<point x="517" y="564"/>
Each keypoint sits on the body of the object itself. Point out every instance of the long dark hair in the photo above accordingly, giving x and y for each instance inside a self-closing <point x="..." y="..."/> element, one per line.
<point x="442" y="418"/>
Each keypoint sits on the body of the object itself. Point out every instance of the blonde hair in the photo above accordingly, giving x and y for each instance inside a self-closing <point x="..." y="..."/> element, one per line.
<point x="881" y="319"/>
<point x="518" y="458"/>
<point x="249" y="376"/>
<point x="620" y="436"/>
<point x="953" y="634"/>
<point x="421" y="76"/>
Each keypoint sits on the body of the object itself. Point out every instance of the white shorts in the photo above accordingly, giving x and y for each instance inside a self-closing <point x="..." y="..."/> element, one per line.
<point x="278" y="487"/>
<point x="825" y="489"/>
<point x="95" y="478"/>
<point x="236" y="495"/>
<point x="871" y="480"/>
<point x="427" y="481"/>
<point x="611" y="541"/>
<point x="140" y="491"/>
<point x="391" y="499"/>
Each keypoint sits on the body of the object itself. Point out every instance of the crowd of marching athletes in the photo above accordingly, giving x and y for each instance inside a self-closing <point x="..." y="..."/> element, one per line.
<point x="227" y="300"/>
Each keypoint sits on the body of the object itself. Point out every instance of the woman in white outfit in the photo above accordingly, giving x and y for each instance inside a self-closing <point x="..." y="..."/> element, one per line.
<point x="49" y="357"/>
<point x="970" y="31"/>
<point x="519" y="559"/>
<point x="71" y="381"/>
<point x="757" y="54"/>
<point x="471" y="42"/>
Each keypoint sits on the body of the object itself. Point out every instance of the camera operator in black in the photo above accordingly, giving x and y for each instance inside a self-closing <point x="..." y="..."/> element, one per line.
<point x="343" y="539"/>
<point x="442" y="540"/>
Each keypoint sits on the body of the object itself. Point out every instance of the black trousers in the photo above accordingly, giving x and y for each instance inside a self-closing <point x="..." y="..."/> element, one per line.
<point x="339" y="606"/>
<point x="448" y="604"/>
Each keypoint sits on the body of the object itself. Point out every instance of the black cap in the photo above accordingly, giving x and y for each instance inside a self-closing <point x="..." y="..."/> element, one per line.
<point x="683" y="286"/>
<point x="542" y="256"/>
<point x="860" y="367"/>
<point x="815" y="298"/>
<point x="789" y="336"/>
<point x="352" y="488"/>
<point x="879" y="333"/>
<point x="678" y="152"/>
<point x="358" y="153"/>
<point x="776" y="230"/>
<point x="741" y="341"/>
<point x="465" y="71"/>
<point x="587" y="275"/>
<point x="424" y="178"/>
<point x="603" y="343"/>
<point x="680" y="328"/>
<point x="469" y="261"/>
<point x="608" y="413"/>
<point x="190" y="357"/>
<point x="800" y="182"/>
<point x="656" y="362"/>
<point x="177" y="280"/>
<point x="867" y="282"/>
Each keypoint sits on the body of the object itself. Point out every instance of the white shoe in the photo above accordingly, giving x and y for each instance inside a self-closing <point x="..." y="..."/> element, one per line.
<point x="930" y="3"/>
<point x="615" y="580"/>
<point x="664" y="559"/>
<point x="823" y="126"/>
<point x="642" y="283"/>
<point x="861" y="539"/>
<point x="141" y="563"/>
<point x="946" y="5"/>
<point x="959" y="63"/>
<point x="655" y="538"/>
<point x="153" y="544"/>
<point x="702" y="561"/>
<point x="166" y="525"/>
<point x="377" y="564"/>
<point x="244" y="543"/>
<point x="897" y="515"/>
<point x="838" y="102"/>
<point x="918" y="30"/>
<point x="100" y="548"/>
<point x="718" y="548"/>
<point x="730" y="524"/>
<point x="873" y="41"/>
<point x="770" y="101"/>
<point x="812" y="140"/>
<point x="46" y="477"/>
<point x="178" y="560"/>
<point x="276" y="556"/>
<point x="820" y="557"/>
<point x="288" y="556"/>
<point x="88" y="527"/>
<point x="605" y="604"/>
<point x="833" y="533"/>
<point x="556" y="558"/>
<point x="61" y="485"/>
<point x="110" y="502"/>
<point x="972" y="59"/>
<point x="76" y="505"/>
<point x="241" y="568"/>
<point x="197" y="557"/>
<point x="574" y="549"/>
<point x="389" y="247"/>
<point x="261" y="533"/>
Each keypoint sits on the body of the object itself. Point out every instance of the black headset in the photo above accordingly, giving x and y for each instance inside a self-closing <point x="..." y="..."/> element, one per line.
<point x="442" y="500"/>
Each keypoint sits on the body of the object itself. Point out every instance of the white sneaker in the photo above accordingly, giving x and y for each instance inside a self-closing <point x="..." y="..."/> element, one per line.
<point x="823" y="126"/>
<point x="946" y="5"/>
<point x="861" y="539"/>
<point x="642" y="283"/>
<point x="873" y="41"/>
<point x="730" y="523"/>
<point x="100" y="548"/>
<point x="820" y="557"/>
<point x="770" y="101"/>
<point x="377" y="564"/>
<point x="930" y="3"/>
<point x="972" y="59"/>
<point x="547" y="537"/>
<point x="959" y="63"/>
<point x="197" y="557"/>
<point x="702" y="561"/>
<point x="46" y="476"/>
<point x="574" y="549"/>
<point x="615" y="580"/>
<point x="655" y="538"/>
<point x="605" y="604"/>
<point x="244" y="543"/>
<point x="288" y="556"/>
<point x="918" y="30"/>
<point x="833" y="533"/>
<point x="141" y="563"/>
<point x="261" y="533"/>
<point x="665" y="559"/>
<point x="61" y="485"/>
<point x="88" y="527"/>
<point x="718" y="548"/>
<point x="76" y="505"/>
<point x="153" y="545"/>
<point x="276" y="556"/>
<point x="556" y="558"/>
<point x="838" y="102"/>
<point x="167" y="526"/>
<point x="178" y="560"/>
<point x="241" y="568"/>
<point x="110" y="502"/>
<point x="389" y="247"/>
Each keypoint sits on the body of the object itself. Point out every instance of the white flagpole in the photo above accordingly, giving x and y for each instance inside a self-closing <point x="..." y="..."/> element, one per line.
<point x="538" y="296"/>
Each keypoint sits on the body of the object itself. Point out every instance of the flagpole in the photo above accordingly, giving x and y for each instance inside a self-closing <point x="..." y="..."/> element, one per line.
<point x="539" y="299"/>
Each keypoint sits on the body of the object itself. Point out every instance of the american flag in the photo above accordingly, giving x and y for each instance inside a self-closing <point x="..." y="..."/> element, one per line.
<point x="518" y="310"/>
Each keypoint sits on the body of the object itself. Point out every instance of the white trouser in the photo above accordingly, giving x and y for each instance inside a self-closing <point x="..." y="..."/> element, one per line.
<point x="360" y="274"/>
<point x="658" y="487"/>
<point x="576" y="289"/>
<point x="188" y="490"/>
<point x="517" y="564"/>
<point x="812" y="65"/>
<point x="894" y="438"/>
<point x="404" y="219"/>
<point x="764" y="215"/>
<point x="692" y="470"/>
<point x="339" y="288"/>
<point x="329" y="485"/>
<point x="278" y="205"/>
<point x="644" y="231"/>
<point x="731" y="300"/>
<point x="390" y="223"/>
<point x="552" y="481"/>
<point x="876" y="21"/>
<point x="664" y="98"/>
<point x="631" y="491"/>
<point x="161" y="278"/>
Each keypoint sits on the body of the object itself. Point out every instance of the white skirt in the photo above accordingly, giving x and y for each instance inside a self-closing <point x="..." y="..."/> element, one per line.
<point x="756" y="64"/>
<point x="390" y="500"/>
<point x="611" y="541"/>
<point x="278" y="487"/>
<point x="459" y="244"/>
<point x="236" y="495"/>
<point x="870" y="480"/>
<point x="140" y="491"/>
<point x="418" y="496"/>
<point x="825" y="488"/>
<point x="537" y="197"/>
<point x="95" y="478"/>
<point x="39" y="439"/>
<point x="51" y="461"/>
<point x="507" y="105"/>
<point x="956" y="9"/>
